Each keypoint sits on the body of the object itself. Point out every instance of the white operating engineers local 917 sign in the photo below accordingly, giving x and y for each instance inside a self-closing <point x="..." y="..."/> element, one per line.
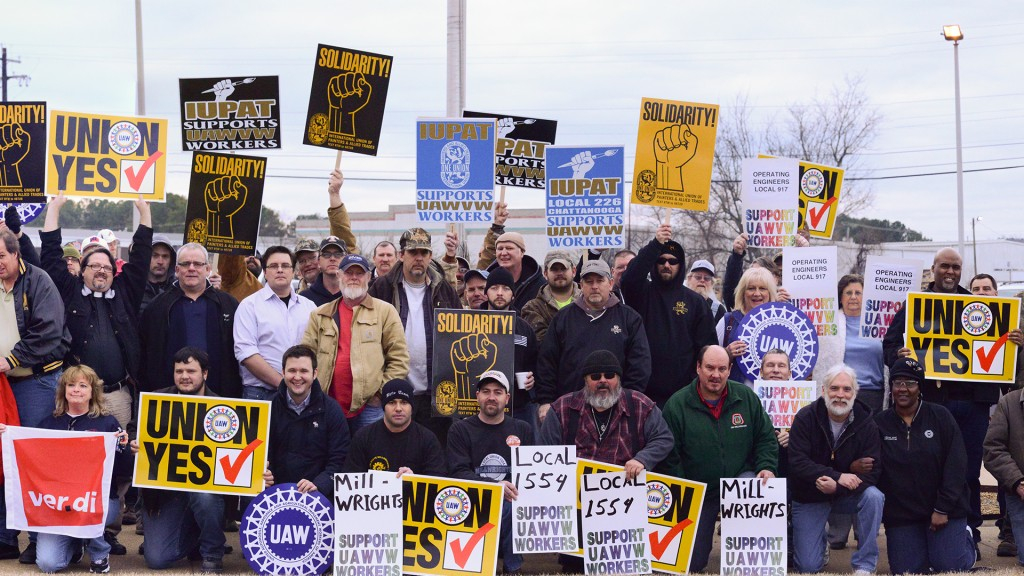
<point x="285" y="531"/>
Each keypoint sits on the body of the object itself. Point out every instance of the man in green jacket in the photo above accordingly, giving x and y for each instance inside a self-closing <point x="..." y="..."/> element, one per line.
<point x="721" y="431"/>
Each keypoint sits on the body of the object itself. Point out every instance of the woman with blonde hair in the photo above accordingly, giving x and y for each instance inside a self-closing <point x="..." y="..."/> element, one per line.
<point x="756" y="286"/>
<point x="79" y="407"/>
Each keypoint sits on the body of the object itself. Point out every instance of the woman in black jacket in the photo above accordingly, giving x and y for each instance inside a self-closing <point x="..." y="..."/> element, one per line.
<point x="924" y="470"/>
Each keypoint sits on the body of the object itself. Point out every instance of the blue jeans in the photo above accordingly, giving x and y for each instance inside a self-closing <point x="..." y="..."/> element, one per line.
<point x="972" y="418"/>
<point x="183" y="520"/>
<point x="510" y="562"/>
<point x="1015" y="512"/>
<point x="54" y="551"/>
<point x="257" y="393"/>
<point x="914" y="549"/>
<point x="369" y="415"/>
<point x="809" y="540"/>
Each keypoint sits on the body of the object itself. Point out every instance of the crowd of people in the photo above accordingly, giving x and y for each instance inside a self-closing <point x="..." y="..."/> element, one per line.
<point x="631" y="357"/>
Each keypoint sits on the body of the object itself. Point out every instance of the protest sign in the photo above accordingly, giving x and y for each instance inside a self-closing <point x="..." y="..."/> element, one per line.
<point x="369" y="541"/>
<point x="810" y="276"/>
<point x="887" y="281"/>
<point x="675" y="151"/>
<point x="454" y="170"/>
<point x="450" y="525"/>
<point x="778" y="325"/>
<point x="202" y="443"/>
<point x="614" y="523"/>
<point x="782" y="399"/>
<point x="585" y="202"/>
<point x="820" y="187"/>
<point x="224" y="114"/>
<point x="285" y="531"/>
<point x="963" y="337"/>
<point x="673" y="510"/>
<point x="112" y="157"/>
<point x="468" y="343"/>
<point x="519" y="152"/>
<point x="754" y="539"/>
<point x="57" y="482"/>
<point x="22" y="152"/>
<point x="27" y="212"/>
<point x="770" y="201"/>
<point x="544" y="514"/>
<point x="225" y="200"/>
<point x="346" y="99"/>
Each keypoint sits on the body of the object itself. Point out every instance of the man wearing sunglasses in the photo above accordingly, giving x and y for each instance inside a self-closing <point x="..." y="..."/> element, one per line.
<point x="677" y="320"/>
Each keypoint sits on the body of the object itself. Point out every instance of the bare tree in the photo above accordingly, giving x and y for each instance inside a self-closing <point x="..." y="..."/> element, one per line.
<point x="827" y="130"/>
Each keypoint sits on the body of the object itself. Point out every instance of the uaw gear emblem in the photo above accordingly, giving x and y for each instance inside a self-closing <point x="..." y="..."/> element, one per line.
<point x="679" y="308"/>
<point x="221" y="423"/>
<point x="455" y="164"/>
<point x="285" y="531"/>
<point x="379" y="463"/>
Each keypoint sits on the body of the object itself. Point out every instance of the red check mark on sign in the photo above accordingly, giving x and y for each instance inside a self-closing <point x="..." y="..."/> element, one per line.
<point x="461" y="555"/>
<point x="815" y="216"/>
<point x="986" y="359"/>
<point x="658" y="546"/>
<point x="135" y="178"/>
<point x="231" y="470"/>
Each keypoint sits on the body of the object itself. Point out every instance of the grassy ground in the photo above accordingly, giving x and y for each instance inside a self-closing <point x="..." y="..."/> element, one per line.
<point x="234" y="563"/>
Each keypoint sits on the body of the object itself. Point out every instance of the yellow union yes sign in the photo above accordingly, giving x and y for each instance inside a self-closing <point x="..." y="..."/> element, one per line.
<point x="450" y="526"/>
<point x="963" y="337"/>
<point x="113" y="157"/>
<point x="673" y="509"/>
<point x="202" y="443"/>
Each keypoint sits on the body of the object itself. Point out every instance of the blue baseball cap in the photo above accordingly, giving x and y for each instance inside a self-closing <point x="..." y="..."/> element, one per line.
<point x="354" y="260"/>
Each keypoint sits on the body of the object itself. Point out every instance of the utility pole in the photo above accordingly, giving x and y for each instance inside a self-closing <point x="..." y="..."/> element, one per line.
<point x="3" y="73"/>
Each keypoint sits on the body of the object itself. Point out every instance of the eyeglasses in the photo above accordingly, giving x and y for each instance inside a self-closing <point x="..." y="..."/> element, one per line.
<point x="669" y="261"/>
<point x="279" y="266"/>
<point x="702" y="277"/>
<point x="905" y="384"/>
<point x="100" y="268"/>
<point x="191" y="264"/>
<point x="332" y="255"/>
<point x="599" y="375"/>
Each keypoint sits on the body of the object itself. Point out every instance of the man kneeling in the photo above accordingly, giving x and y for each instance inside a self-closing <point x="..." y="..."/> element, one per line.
<point x="829" y="439"/>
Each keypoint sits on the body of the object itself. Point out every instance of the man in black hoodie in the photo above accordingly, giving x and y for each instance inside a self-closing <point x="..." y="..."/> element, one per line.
<point x="677" y="320"/>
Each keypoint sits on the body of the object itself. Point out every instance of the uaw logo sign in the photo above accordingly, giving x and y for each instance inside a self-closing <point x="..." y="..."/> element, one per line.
<point x="778" y="325"/>
<point x="287" y="532"/>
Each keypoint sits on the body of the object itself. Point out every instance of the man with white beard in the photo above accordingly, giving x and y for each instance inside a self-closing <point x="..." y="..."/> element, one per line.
<point x="360" y="345"/>
<point x="827" y="438"/>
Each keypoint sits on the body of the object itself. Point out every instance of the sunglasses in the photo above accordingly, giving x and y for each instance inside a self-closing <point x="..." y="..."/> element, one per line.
<point x="669" y="261"/>
<point x="600" y="375"/>
<point x="905" y="384"/>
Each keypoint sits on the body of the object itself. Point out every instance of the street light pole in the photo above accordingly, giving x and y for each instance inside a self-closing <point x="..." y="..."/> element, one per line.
<point x="974" y="242"/>
<point x="954" y="34"/>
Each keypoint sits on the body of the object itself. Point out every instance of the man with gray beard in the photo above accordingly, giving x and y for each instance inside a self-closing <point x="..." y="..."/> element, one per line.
<point x="828" y="445"/>
<point x="360" y="345"/>
<point x="608" y="423"/>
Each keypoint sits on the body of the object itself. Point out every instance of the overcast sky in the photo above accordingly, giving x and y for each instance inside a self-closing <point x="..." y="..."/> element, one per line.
<point x="585" y="64"/>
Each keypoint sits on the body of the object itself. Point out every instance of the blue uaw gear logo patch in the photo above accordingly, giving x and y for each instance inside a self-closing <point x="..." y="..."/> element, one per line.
<point x="287" y="532"/>
<point x="659" y="499"/>
<point x="455" y="164"/>
<point x="778" y="325"/>
<point x="124" y="138"/>
<point x="221" y="423"/>
<point x="452" y="505"/>
<point x="27" y="212"/>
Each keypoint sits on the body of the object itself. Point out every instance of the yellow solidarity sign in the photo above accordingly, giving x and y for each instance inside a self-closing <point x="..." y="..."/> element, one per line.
<point x="963" y="337"/>
<point x="113" y="157"/>
<point x="673" y="509"/>
<point x="202" y="443"/>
